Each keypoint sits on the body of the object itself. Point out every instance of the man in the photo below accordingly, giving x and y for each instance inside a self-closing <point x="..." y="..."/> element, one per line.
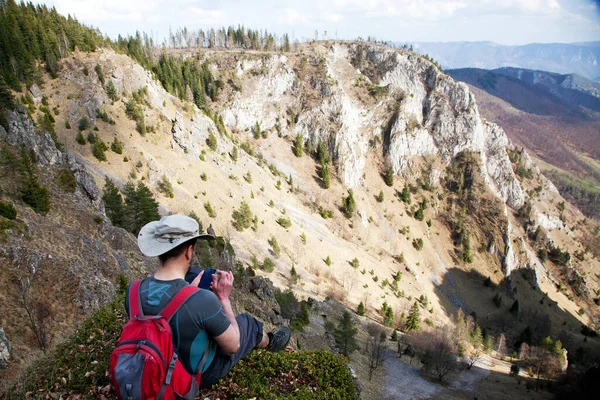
<point x="205" y="322"/>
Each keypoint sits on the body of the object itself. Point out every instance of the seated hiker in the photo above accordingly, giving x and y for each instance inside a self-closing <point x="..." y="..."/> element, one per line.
<point x="205" y="323"/>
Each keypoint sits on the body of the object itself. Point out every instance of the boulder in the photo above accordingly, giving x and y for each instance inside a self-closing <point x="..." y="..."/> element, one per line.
<point x="36" y="93"/>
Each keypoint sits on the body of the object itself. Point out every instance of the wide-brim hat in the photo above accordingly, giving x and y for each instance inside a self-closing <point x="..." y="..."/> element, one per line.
<point x="158" y="237"/>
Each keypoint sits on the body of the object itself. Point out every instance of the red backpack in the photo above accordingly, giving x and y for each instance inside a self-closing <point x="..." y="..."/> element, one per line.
<point x="144" y="365"/>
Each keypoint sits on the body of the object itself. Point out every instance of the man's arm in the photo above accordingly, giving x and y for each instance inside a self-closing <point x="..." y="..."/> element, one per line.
<point x="222" y="283"/>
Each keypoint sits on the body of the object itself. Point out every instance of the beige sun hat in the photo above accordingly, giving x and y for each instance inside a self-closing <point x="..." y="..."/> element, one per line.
<point x="158" y="237"/>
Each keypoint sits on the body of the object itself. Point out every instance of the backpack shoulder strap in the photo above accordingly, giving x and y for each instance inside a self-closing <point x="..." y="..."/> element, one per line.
<point x="135" y="305"/>
<point x="177" y="301"/>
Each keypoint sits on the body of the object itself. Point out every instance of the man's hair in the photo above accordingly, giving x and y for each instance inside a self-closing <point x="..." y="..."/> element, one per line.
<point x="177" y="251"/>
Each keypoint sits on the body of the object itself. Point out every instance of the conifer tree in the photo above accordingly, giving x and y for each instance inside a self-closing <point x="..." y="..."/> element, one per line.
<point x="413" y="321"/>
<point x="113" y="203"/>
<point x="32" y="193"/>
<point x="389" y="176"/>
<point x="361" y="309"/>
<point x="298" y="146"/>
<point x="345" y="334"/>
<point x="140" y="207"/>
<point x="325" y="176"/>
<point x="348" y="204"/>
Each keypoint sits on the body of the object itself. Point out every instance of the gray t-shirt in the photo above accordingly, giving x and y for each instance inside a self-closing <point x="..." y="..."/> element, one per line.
<point x="199" y="319"/>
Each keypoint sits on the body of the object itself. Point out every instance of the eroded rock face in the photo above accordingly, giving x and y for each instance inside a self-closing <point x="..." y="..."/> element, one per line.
<point x="22" y="133"/>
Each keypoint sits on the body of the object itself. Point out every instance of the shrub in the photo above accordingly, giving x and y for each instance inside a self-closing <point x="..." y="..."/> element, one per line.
<point x="325" y="176"/>
<point x="234" y="154"/>
<point x="355" y="263"/>
<point x="98" y="149"/>
<point x="165" y="187"/>
<point x="324" y="213"/>
<point x="67" y="124"/>
<point x="242" y="217"/>
<point x="111" y="91"/>
<point x="284" y="222"/>
<point x="84" y="124"/>
<point x="136" y="113"/>
<point x="66" y="180"/>
<point x="85" y="70"/>
<point x="7" y="211"/>
<point x="380" y="197"/>
<point x="117" y="146"/>
<point x="80" y="139"/>
<point x="211" y="141"/>
<point x="275" y="246"/>
<point x="209" y="209"/>
<point x="418" y="244"/>
<point x="203" y="176"/>
<point x="98" y="70"/>
<point x="268" y="265"/>
<point x="328" y="261"/>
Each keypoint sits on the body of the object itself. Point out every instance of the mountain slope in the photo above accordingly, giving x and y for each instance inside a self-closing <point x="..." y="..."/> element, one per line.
<point x="460" y="208"/>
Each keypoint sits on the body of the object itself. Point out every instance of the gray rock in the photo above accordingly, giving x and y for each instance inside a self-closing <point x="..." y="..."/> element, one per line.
<point x="86" y="183"/>
<point x="22" y="133"/>
<point x="36" y="93"/>
<point x="4" y="350"/>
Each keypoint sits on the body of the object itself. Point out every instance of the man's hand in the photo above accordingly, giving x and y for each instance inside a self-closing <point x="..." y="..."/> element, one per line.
<point x="222" y="283"/>
<point x="196" y="280"/>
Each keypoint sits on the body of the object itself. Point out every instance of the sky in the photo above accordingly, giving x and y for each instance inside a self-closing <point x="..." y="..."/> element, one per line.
<point x="509" y="22"/>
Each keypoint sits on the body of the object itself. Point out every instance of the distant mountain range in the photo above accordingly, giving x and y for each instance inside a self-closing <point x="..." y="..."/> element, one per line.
<point x="536" y="92"/>
<point x="579" y="58"/>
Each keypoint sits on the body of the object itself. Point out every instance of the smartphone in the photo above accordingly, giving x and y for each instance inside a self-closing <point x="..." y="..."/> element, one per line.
<point x="207" y="278"/>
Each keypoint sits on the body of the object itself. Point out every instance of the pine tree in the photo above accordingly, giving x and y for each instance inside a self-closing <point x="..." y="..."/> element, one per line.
<point x="325" y="176"/>
<point x="113" y="203"/>
<point x="345" y="335"/>
<point x="477" y="337"/>
<point x="361" y="309"/>
<point x="140" y="207"/>
<point x="413" y="321"/>
<point x="389" y="176"/>
<point x="32" y="193"/>
<point x="405" y="195"/>
<point x="298" y="146"/>
<point x="349" y="205"/>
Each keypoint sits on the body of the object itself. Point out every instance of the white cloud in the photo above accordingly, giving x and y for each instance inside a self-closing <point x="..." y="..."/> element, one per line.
<point x="333" y="17"/>
<point x="209" y="17"/>
<point x="107" y="10"/>
<point x="291" y="17"/>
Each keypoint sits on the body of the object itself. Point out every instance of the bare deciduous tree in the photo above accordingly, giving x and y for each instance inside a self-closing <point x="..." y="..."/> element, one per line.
<point x="437" y="351"/>
<point x="375" y="348"/>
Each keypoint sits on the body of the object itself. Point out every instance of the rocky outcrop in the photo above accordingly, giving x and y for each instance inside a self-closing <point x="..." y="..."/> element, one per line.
<point x="86" y="183"/>
<point x="36" y="93"/>
<point x="4" y="350"/>
<point x="22" y="133"/>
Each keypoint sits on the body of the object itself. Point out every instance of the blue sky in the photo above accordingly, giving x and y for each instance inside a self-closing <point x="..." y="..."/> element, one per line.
<point x="501" y="21"/>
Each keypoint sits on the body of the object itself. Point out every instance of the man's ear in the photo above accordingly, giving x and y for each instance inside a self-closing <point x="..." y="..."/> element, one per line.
<point x="189" y="253"/>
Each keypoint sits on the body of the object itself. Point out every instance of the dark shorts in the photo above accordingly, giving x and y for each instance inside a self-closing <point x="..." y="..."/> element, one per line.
<point x="251" y="333"/>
